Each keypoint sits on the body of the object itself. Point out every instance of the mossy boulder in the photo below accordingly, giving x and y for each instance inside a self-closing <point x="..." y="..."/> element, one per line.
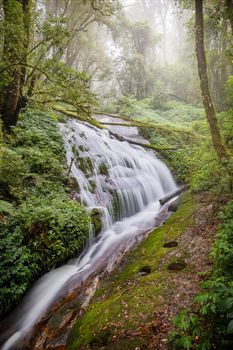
<point x="73" y="184"/>
<point x="103" y="169"/>
<point x="115" y="204"/>
<point x="85" y="165"/>
<point x="92" y="185"/>
<point x="96" y="220"/>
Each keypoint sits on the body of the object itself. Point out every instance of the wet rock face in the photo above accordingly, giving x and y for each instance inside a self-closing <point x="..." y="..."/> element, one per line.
<point x="171" y="244"/>
<point x="173" y="207"/>
<point x="145" y="270"/>
<point x="177" y="265"/>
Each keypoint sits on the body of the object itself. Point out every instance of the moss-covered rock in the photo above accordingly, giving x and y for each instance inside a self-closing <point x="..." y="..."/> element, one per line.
<point x="83" y="148"/>
<point x="103" y="169"/>
<point x="92" y="185"/>
<point x="115" y="204"/>
<point x="73" y="184"/>
<point x="96" y="220"/>
<point x="75" y="151"/>
<point x="85" y="165"/>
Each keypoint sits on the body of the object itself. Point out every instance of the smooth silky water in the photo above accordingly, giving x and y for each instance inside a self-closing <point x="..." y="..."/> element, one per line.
<point x="124" y="182"/>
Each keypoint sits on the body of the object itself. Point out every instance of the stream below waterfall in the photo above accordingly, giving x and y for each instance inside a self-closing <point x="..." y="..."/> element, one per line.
<point x="122" y="183"/>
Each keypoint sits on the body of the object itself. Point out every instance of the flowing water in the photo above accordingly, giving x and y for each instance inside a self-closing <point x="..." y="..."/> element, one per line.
<point x="121" y="182"/>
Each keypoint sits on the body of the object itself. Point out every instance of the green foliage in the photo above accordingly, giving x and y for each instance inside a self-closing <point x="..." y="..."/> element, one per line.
<point x="207" y="173"/>
<point x="54" y="227"/>
<point x="212" y="326"/>
<point x="226" y="124"/>
<point x="66" y="86"/>
<point x="230" y="87"/>
<point x="173" y="111"/>
<point x="16" y="266"/>
<point x="12" y="172"/>
<point x="159" y="96"/>
<point x="41" y="227"/>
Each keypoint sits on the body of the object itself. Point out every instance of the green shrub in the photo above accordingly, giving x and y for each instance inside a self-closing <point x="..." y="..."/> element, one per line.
<point x="12" y="172"/>
<point x="16" y="266"/>
<point x="56" y="229"/>
<point x="207" y="173"/>
<point x="41" y="161"/>
<point x="41" y="227"/>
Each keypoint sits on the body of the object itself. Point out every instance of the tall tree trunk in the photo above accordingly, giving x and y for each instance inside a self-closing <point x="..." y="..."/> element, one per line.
<point x="17" y="19"/>
<point x="223" y="67"/>
<point x="207" y="101"/>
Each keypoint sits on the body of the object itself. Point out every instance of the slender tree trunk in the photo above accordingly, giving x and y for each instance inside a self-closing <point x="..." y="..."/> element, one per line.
<point x="207" y="101"/>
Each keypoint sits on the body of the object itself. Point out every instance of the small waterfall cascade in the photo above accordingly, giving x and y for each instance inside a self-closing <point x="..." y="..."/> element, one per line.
<point x="120" y="182"/>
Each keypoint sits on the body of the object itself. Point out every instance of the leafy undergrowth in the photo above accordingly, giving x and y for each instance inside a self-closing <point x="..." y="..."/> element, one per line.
<point x="211" y="326"/>
<point x="40" y="225"/>
<point x="122" y="314"/>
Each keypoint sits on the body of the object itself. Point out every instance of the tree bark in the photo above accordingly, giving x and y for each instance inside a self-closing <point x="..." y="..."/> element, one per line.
<point x="12" y="99"/>
<point x="174" y="194"/>
<point x="207" y="101"/>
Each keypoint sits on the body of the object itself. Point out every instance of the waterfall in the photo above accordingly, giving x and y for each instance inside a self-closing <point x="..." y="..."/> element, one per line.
<point x="122" y="182"/>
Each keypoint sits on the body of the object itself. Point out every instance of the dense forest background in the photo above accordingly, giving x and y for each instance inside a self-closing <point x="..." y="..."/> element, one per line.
<point x="166" y="67"/>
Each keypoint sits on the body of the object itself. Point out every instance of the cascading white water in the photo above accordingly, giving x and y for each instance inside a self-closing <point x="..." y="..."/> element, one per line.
<point x="124" y="182"/>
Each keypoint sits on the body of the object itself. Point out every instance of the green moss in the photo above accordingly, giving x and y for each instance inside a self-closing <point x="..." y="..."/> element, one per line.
<point x="85" y="165"/>
<point x="126" y="299"/>
<point x="73" y="184"/>
<point x="103" y="169"/>
<point x="115" y="204"/>
<point x="92" y="186"/>
<point x="83" y="148"/>
<point x="75" y="151"/>
<point x="96" y="220"/>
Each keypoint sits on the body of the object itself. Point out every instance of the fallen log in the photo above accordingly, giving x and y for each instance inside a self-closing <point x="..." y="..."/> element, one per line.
<point x="174" y="194"/>
<point x="145" y="124"/>
<point x="145" y="145"/>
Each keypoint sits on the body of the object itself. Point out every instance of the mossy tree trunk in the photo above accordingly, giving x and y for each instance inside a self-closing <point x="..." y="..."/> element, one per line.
<point x="17" y="21"/>
<point x="207" y="100"/>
